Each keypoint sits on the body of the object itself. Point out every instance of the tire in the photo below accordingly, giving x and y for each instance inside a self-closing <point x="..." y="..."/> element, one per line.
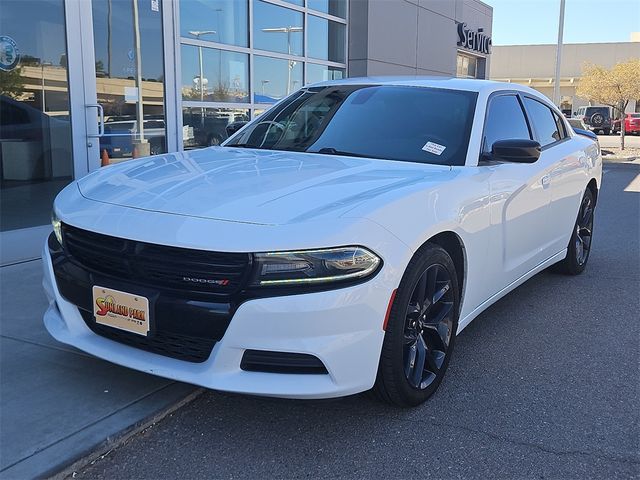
<point x="581" y="238"/>
<point x="597" y="119"/>
<point x="419" y="338"/>
<point x="607" y="131"/>
<point x="155" y="149"/>
<point x="213" y="141"/>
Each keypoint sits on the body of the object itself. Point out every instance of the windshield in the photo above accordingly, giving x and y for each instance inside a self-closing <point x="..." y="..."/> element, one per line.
<point x="414" y="124"/>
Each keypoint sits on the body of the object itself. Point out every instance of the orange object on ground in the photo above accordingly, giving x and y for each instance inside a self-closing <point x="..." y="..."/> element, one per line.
<point x="104" y="158"/>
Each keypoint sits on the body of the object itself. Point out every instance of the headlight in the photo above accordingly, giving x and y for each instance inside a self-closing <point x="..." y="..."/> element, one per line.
<point x="306" y="267"/>
<point x="57" y="226"/>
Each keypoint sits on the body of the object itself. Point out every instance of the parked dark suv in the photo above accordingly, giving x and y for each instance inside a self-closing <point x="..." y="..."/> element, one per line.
<point x="596" y="118"/>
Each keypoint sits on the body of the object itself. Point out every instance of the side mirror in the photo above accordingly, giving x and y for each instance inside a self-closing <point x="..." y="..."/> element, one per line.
<point x="517" y="151"/>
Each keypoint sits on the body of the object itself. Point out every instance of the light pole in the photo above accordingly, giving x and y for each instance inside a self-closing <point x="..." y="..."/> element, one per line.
<point x="218" y="10"/>
<point x="556" y="83"/>
<point x="288" y="31"/>
<point x="264" y="82"/>
<point x="42" y="65"/>
<point x="198" y="34"/>
<point x="141" y="147"/>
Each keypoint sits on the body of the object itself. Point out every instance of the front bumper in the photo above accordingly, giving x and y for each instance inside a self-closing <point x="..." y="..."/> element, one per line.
<point x="342" y="328"/>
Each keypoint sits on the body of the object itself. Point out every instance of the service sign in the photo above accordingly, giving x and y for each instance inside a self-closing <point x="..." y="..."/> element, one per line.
<point x="121" y="310"/>
<point x="476" y="41"/>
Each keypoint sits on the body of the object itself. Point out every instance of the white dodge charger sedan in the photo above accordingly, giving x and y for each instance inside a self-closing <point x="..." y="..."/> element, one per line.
<point x="335" y="244"/>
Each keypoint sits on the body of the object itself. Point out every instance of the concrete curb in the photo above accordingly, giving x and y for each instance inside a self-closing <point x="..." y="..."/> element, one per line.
<point x="66" y="469"/>
<point x="72" y="453"/>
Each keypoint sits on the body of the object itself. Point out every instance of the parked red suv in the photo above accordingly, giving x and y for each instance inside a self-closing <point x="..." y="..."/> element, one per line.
<point x="631" y="123"/>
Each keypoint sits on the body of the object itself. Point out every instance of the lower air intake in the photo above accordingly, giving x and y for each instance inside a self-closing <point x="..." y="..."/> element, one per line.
<point x="281" y="362"/>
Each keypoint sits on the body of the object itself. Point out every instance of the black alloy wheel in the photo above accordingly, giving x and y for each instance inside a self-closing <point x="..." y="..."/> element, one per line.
<point x="581" y="238"/>
<point x="421" y="329"/>
<point x="428" y="327"/>
<point x="584" y="228"/>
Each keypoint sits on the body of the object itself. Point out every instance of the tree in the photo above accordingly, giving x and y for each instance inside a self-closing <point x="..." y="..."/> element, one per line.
<point x="12" y="82"/>
<point x="614" y="87"/>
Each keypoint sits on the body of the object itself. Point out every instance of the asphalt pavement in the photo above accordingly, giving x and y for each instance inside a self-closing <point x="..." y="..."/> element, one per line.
<point x="544" y="384"/>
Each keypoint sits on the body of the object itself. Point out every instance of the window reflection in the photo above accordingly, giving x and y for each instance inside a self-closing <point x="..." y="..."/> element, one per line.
<point x="204" y="127"/>
<point x="337" y="8"/>
<point x="213" y="75"/>
<point x="35" y="130"/>
<point x="326" y="39"/>
<point x="322" y="73"/>
<point x="222" y="21"/>
<point x="277" y="29"/>
<point x="128" y="131"/>
<point x="275" y="78"/>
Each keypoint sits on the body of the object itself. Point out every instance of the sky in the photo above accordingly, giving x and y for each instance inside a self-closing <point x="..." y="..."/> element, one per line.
<point x="526" y="22"/>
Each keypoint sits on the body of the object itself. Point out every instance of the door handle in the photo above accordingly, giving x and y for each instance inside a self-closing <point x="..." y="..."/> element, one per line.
<point x="100" y="122"/>
<point x="545" y="180"/>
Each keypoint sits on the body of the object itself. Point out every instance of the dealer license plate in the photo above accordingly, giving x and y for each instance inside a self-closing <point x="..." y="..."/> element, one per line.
<point x="121" y="310"/>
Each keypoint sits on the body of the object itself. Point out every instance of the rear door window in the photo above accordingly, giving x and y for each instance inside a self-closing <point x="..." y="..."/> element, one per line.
<point x="544" y="123"/>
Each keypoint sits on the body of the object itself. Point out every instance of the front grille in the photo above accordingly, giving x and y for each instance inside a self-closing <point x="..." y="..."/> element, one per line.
<point x="181" y="347"/>
<point x="157" y="265"/>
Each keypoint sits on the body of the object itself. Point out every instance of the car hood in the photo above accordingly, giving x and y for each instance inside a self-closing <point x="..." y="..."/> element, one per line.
<point x="253" y="186"/>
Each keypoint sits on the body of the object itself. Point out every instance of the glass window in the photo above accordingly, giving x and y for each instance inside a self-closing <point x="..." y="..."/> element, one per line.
<point x="505" y="121"/>
<point x="321" y="73"/>
<point x="300" y="3"/>
<point x="337" y="8"/>
<point x="35" y="129"/>
<point x="275" y="78"/>
<point x="213" y="75"/>
<point x="467" y="67"/>
<point x="204" y="127"/>
<point x="543" y="121"/>
<point x="118" y="87"/>
<point x="222" y="21"/>
<point x="561" y="126"/>
<point x="425" y="125"/>
<point x="277" y="29"/>
<point x="326" y="39"/>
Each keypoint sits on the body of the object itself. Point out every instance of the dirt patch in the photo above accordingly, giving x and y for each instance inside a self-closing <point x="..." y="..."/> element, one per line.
<point x="618" y="152"/>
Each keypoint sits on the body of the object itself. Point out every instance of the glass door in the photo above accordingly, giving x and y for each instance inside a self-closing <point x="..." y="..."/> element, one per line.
<point x="125" y="100"/>
<point x="82" y="85"/>
<point x="36" y="154"/>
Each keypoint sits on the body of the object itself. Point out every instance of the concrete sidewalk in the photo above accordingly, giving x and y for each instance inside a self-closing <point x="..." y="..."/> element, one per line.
<point x="58" y="404"/>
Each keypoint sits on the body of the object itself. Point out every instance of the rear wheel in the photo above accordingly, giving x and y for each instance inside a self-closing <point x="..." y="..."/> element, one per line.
<point x="580" y="244"/>
<point x="421" y="330"/>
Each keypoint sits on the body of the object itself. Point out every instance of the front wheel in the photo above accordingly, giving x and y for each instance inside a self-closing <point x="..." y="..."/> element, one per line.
<point x="580" y="244"/>
<point x="421" y="330"/>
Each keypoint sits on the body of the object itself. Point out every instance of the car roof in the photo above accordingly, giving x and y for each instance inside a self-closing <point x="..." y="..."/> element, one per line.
<point x="452" y="83"/>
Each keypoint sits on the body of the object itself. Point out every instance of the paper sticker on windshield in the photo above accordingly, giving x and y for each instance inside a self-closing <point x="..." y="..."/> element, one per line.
<point x="434" y="148"/>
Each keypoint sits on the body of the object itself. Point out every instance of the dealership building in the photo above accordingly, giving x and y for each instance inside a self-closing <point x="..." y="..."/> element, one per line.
<point x="534" y="66"/>
<point x="85" y="83"/>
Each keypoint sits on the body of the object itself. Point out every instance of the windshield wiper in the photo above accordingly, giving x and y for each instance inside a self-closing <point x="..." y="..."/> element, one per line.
<point x="333" y="151"/>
